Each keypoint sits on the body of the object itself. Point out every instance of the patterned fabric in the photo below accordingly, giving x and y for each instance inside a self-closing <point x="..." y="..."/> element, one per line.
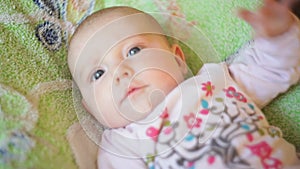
<point x="225" y="122"/>
<point x="194" y="129"/>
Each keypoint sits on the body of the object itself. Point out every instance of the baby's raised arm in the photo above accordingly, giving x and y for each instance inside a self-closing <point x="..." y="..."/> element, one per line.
<point x="272" y="63"/>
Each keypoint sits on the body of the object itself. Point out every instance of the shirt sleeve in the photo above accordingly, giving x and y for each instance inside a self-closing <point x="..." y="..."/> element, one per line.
<point x="108" y="160"/>
<point x="269" y="66"/>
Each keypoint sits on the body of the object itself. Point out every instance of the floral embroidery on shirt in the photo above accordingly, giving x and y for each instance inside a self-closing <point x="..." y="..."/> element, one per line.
<point x="208" y="87"/>
<point x="153" y="133"/>
<point x="205" y="105"/>
<point x="232" y="93"/>
<point x="238" y="118"/>
<point x="211" y="159"/>
<point x="192" y="121"/>
<point x="193" y="142"/>
<point x="263" y="150"/>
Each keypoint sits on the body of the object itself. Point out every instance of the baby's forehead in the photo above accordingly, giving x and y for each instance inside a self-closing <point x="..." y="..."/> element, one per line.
<point x="102" y="32"/>
<point x="118" y="21"/>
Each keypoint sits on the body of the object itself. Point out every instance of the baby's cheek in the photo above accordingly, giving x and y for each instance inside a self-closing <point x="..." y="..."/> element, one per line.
<point x="170" y="83"/>
<point x="166" y="81"/>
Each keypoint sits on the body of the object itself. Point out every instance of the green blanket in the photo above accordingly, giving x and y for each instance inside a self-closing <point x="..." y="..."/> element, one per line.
<point x="36" y="106"/>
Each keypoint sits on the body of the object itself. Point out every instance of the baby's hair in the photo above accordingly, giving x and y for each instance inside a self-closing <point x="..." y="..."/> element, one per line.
<point x="105" y="16"/>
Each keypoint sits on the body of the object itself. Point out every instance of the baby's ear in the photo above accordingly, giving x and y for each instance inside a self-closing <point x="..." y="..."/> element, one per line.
<point x="176" y="50"/>
<point x="180" y="58"/>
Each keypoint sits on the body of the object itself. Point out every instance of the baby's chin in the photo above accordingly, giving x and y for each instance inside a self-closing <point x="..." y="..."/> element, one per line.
<point x="135" y="109"/>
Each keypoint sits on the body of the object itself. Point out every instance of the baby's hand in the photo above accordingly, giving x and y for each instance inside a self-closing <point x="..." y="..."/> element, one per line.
<point x="270" y="20"/>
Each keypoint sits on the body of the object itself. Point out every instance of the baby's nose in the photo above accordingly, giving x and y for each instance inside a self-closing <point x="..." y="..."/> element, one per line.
<point x="123" y="73"/>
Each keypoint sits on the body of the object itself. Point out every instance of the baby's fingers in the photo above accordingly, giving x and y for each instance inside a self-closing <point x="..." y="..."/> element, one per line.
<point x="248" y="16"/>
<point x="271" y="19"/>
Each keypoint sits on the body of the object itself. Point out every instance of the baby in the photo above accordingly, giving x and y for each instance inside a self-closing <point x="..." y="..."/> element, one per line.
<point x="135" y="83"/>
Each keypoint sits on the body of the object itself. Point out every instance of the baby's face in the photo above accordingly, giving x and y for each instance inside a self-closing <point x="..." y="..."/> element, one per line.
<point x="123" y="84"/>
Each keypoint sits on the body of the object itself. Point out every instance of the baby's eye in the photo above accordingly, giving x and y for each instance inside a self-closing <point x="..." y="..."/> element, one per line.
<point x="133" y="51"/>
<point x="98" y="74"/>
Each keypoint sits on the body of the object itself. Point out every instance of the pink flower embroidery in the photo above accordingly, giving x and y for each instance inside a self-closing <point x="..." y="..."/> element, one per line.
<point x="232" y="93"/>
<point x="241" y="97"/>
<point x="192" y="121"/>
<point x="208" y="87"/>
<point x="211" y="160"/>
<point x="263" y="150"/>
<point x="152" y="132"/>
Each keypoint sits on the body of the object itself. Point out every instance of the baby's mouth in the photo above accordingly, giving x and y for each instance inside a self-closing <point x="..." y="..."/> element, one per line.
<point x="131" y="90"/>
